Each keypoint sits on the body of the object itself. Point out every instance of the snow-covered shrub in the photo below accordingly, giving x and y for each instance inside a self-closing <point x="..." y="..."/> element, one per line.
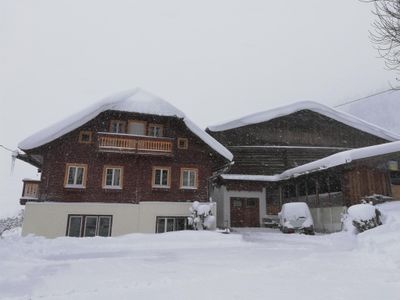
<point x="201" y="216"/>
<point x="11" y="222"/>
<point x="361" y="217"/>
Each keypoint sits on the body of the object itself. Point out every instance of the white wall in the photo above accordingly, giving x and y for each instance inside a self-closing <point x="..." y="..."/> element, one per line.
<point x="328" y="219"/>
<point x="50" y="219"/>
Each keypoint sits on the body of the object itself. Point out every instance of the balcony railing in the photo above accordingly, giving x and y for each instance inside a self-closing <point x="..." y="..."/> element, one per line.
<point x="114" y="142"/>
<point x="30" y="191"/>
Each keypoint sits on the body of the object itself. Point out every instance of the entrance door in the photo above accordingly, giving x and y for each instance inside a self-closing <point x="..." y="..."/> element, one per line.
<point x="245" y="212"/>
<point x="137" y="127"/>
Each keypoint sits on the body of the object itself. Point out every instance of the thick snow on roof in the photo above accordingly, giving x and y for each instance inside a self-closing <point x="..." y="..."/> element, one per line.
<point x="137" y="101"/>
<point x="381" y="109"/>
<point x="334" y="160"/>
<point x="339" y="116"/>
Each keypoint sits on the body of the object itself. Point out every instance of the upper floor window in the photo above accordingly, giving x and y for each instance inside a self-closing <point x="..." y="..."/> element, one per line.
<point x="183" y="143"/>
<point x="117" y="126"/>
<point x="137" y="127"/>
<point x="112" y="178"/>
<point x="75" y="176"/>
<point x="85" y="137"/>
<point x="161" y="177"/>
<point x="155" y="130"/>
<point x="188" y="178"/>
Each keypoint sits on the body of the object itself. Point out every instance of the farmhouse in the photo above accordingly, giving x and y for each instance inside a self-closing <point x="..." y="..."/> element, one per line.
<point x="130" y="163"/>
<point x="302" y="152"/>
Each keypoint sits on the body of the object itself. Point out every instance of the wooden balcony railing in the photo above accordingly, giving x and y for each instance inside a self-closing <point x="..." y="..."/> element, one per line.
<point x="134" y="144"/>
<point x="30" y="191"/>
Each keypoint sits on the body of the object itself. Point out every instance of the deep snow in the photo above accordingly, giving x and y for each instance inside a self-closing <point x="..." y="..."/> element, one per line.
<point x="250" y="264"/>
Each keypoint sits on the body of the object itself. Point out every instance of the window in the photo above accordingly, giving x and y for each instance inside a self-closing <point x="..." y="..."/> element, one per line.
<point x="85" y="137"/>
<point x="237" y="202"/>
<point x="75" y="176"/>
<point x="161" y="177"/>
<point x="112" y="178"/>
<point x="183" y="143"/>
<point x="188" y="178"/>
<point x="166" y="224"/>
<point x="89" y="225"/>
<point x="117" y="126"/>
<point x="155" y="130"/>
<point x="251" y="202"/>
<point x="137" y="127"/>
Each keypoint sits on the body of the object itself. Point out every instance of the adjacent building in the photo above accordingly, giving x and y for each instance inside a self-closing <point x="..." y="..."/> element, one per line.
<point x="300" y="152"/>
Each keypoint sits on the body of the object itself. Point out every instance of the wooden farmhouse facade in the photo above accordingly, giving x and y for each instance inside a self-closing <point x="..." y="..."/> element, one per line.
<point x="131" y="163"/>
<point x="301" y="152"/>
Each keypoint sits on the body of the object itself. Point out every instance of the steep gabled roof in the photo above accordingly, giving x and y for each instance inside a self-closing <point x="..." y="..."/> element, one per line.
<point x="137" y="101"/>
<point x="334" y="160"/>
<point x="339" y="116"/>
<point x="381" y="109"/>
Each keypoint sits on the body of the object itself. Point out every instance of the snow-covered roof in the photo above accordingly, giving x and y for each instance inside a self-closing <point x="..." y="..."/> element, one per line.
<point x="331" y="161"/>
<point x="339" y="116"/>
<point x="381" y="109"/>
<point x="138" y="101"/>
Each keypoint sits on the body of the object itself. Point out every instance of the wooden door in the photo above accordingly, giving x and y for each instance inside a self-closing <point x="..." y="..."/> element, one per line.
<point x="245" y="212"/>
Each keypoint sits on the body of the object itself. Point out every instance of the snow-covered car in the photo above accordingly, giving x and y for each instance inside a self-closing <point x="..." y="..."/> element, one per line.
<point x="296" y="217"/>
<point x="362" y="216"/>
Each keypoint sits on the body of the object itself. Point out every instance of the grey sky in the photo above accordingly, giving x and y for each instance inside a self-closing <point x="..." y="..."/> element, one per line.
<point x="214" y="60"/>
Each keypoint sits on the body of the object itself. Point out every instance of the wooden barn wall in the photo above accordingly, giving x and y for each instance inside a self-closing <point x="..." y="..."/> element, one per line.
<point x="270" y="161"/>
<point x="362" y="181"/>
<point x="137" y="185"/>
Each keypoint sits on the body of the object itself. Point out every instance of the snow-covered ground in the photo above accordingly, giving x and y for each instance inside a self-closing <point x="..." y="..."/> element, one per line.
<point x="250" y="264"/>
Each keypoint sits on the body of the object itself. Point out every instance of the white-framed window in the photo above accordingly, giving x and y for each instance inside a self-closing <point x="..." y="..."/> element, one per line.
<point x="75" y="176"/>
<point x="166" y="224"/>
<point x="117" y="126"/>
<point x="112" y="178"/>
<point x="155" y="130"/>
<point x="189" y="178"/>
<point x="161" y="177"/>
<point x="89" y="225"/>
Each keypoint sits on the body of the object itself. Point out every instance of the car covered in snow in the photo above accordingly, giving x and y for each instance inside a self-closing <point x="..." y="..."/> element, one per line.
<point x="296" y="217"/>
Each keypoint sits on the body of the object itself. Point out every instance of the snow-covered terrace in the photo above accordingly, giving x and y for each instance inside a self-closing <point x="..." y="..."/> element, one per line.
<point x="331" y="161"/>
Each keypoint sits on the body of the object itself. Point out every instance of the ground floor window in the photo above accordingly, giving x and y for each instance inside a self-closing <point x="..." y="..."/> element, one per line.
<point x="89" y="225"/>
<point x="165" y="224"/>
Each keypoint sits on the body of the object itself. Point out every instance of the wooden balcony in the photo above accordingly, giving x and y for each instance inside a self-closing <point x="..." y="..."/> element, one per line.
<point x="127" y="143"/>
<point x="30" y="191"/>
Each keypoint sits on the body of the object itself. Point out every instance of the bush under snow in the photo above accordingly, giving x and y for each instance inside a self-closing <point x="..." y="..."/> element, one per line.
<point x="201" y="216"/>
<point x="361" y="217"/>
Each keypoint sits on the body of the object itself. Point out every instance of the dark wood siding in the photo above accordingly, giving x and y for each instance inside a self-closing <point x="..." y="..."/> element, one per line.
<point x="137" y="168"/>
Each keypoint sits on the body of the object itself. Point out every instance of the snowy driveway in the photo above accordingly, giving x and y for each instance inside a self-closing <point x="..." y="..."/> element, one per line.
<point x="204" y="265"/>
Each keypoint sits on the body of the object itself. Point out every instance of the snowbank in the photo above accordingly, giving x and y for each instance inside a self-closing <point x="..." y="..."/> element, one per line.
<point x="252" y="264"/>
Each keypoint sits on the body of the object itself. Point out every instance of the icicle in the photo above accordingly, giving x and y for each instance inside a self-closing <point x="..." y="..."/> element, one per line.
<point x="13" y="158"/>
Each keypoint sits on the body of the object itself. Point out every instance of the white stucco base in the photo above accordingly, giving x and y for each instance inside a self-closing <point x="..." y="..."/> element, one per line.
<point x="50" y="219"/>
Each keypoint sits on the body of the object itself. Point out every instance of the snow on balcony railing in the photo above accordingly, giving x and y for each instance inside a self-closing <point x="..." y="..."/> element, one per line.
<point x="134" y="143"/>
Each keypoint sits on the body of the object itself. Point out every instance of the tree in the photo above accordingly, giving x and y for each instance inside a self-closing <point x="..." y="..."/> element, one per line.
<point x="386" y="35"/>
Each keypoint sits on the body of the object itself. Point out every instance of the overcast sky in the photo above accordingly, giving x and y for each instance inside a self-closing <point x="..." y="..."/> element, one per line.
<point x="214" y="60"/>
